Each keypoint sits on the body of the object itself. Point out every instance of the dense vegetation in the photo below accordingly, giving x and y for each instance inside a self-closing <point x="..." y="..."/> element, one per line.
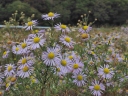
<point x="113" y="12"/>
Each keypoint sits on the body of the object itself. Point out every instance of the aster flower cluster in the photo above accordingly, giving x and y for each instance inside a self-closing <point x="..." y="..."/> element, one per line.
<point x="87" y="61"/>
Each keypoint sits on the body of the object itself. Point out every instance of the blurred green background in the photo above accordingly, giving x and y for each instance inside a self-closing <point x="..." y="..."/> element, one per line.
<point x="108" y="12"/>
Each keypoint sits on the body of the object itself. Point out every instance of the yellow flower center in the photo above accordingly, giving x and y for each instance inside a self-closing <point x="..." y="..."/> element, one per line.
<point x="27" y="86"/>
<point x="91" y="62"/>
<point x="51" y="55"/>
<point x="106" y="70"/>
<point x="85" y="27"/>
<point x="25" y="69"/>
<point x="84" y="36"/>
<point x="33" y="80"/>
<point x="30" y="23"/>
<point x="23" y="45"/>
<point x="36" y="40"/>
<point x="7" y="85"/>
<point x="63" y="26"/>
<point x="63" y="62"/>
<point x="9" y="42"/>
<point x="58" y="69"/>
<point x="0" y="93"/>
<point x="107" y="58"/>
<point x="127" y="91"/>
<point x="9" y="68"/>
<point x="67" y="39"/>
<point x="75" y="66"/>
<point x="13" y="79"/>
<point x="36" y="31"/>
<point x="70" y="57"/>
<point x="97" y="87"/>
<point x="16" y="49"/>
<point x="24" y="61"/>
<point x="92" y="53"/>
<point x="5" y="53"/>
<point x="79" y="77"/>
<point x="50" y="14"/>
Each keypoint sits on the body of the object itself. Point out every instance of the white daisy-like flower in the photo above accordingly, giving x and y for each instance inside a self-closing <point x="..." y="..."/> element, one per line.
<point x="105" y="72"/>
<point x="57" y="47"/>
<point x="62" y="27"/>
<point x="110" y="83"/>
<point x="30" y="25"/>
<point x="91" y="62"/>
<point x="85" y="29"/>
<point x="11" y="79"/>
<point x="16" y="49"/>
<point x="117" y="57"/>
<point x="40" y="32"/>
<point x="67" y="41"/>
<point x="51" y="57"/>
<point x="34" y="80"/>
<point x="24" y="47"/>
<point x="10" y="69"/>
<point x="119" y="90"/>
<point x="8" y="85"/>
<point x="30" y="36"/>
<point x="36" y="41"/>
<point x="50" y="15"/>
<point x="5" y="54"/>
<point x="25" y="71"/>
<point x="108" y="59"/>
<point x="97" y="88"/>
<point x="64" y="64"/>
<point x="72" y="55"/>
<point x="92" y="53"/>
<point x="59" y="72"/>
<point x="79" y="79"/>
<point x="25" y="61"/>
<point x="84" y="36"/>
<point x="77" y="66"/>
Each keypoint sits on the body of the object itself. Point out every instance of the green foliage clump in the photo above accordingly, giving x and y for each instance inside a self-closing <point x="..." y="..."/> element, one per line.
<point x="20" y="6"/>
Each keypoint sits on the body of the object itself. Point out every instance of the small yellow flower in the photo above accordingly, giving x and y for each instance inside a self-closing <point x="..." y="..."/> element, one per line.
<point x="51" y="55"/>
<point x="85" y="27"/>
<point x="25" y="68"/>
<point x="79" y="77"/>
<point x="97" y="87"/>
<point x="24" y="60"/>
<point x="36" y="31"/>
<point x="13" y="79"/>
<point x="84" y="35"/>
<point x="75" y="66"/>
<point x="7" y="85"/>
<point x="36" y="40"/>
<point x="67" y="39"/>
<point x="106" y="71"/>
<point x="5" y="53"/>
<point x="50" y="14"/>
<point x="30" y="23"/>
<point x="27" y="86"/>
<point x="63" y="62"/>
<point x="9" y="68"/>
<point x="92" y="53"/>
<point x="63" y="26"/>
<point x="23" y="45"/>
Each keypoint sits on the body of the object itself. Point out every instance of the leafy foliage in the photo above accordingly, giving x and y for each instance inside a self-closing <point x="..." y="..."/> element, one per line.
<point x="106" y="11"/>
<point x="19" y="6"/>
